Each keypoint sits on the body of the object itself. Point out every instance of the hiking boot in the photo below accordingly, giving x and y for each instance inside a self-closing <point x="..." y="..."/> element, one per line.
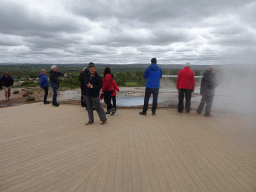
<point x="113" y="112"/>
<point x="107" y="113"/>
<point x="104" y="122"/>
<point x="142" y="113"/>
<point x="153" y="113"/>
<point x="47" y="102"/>
<point x="56" y="105"/>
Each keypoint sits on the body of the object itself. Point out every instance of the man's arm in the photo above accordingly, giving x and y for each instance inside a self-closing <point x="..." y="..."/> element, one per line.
<point x="12" y="80"/>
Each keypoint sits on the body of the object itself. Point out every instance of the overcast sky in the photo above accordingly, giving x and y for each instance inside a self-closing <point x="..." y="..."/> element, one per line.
<point x="128" y="31"/>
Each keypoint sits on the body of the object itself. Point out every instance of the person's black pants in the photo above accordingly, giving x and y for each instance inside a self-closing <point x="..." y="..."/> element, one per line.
<point x="208" y="99"/>
<point x="107" y="99"/>
<point x="45" y="93"/>
<point x="148" y="92"/>
<point x="114" y="101"/>
<point x="83" y="100"/>
<point x="187" y="93"/>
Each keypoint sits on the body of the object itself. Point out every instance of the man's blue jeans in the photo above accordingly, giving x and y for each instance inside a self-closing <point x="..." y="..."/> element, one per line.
<point x="148" y="92"/>
<point x="54" y="99"/>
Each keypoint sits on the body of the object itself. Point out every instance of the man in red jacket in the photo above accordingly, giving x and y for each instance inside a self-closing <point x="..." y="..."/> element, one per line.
<point x="186" y="85"/>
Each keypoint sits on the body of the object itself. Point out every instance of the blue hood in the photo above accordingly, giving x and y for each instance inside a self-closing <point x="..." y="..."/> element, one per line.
<point x="153" y="74"/>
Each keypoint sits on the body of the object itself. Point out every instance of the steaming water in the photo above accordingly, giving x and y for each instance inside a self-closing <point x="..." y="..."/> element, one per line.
<point x="241" y="100"/>
<point x="134" y="101"/>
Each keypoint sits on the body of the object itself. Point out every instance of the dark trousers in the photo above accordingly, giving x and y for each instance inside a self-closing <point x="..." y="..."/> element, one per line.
<point x="45" y="93"/>
<point x="95" y="102"/>
<point x="107" y="99"/>
<point x="54" y="98"/>
<point x="208" y="100"/>
<point x="187" y="93"/>
<point x="83" y="100"/>
<point x="148" y="92"/>
<point x="114" y="101"/>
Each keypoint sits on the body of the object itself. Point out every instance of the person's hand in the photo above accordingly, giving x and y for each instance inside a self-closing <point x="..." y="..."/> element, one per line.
<point x="89" y="85"/>
<point x="65" y="75"/>
<point x="84" y="96"/>
<point x="62" y="79"/>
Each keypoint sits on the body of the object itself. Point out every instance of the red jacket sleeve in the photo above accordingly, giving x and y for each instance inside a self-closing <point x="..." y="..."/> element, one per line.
<point x="107" y="81"/>
<point x="178" y="80"/>
<point x="193" y="81"/>
<point x="115" y="85"/>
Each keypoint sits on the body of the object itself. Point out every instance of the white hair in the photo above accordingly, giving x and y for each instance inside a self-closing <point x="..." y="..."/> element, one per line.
<point x="54" y="66"/>
<point x="42" y="70"/>
<point x="187" y="64"/>
<point x="84" y="68"/>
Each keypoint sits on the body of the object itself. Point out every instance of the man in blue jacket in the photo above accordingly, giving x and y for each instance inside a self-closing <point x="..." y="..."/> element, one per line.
<point x="153" y="74"/>
<point x="54" y="81"/>
<point x="6" y="82"/>
<point x="44" y="85"/>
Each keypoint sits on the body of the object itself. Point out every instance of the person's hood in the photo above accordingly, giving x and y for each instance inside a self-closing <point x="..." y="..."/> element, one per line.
<point x="154" y="67"/>
<point x="208" y="72"/>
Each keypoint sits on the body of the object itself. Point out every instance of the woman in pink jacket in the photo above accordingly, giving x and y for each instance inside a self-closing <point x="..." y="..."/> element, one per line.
<point x="108" y="89"/>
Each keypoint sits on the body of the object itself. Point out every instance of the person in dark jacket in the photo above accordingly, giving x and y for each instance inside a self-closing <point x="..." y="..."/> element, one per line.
<point x="81" y="76"/>
<point x="108" y="89"/>
<point x="92" y="83"/>
<point x="186" y="85"/>
<point x="207" y="91"/>
<point x="44" y="85"/>
<point x="6" y="82"/>
<point x="54" y="81"/>
<point x="153" y="74"/>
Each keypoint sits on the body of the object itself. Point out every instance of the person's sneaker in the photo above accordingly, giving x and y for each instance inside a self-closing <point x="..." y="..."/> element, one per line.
<point x="104" y="122"/>
<point x="153" y="113"/>
<point x="107" y="113"/>
<point x="47" y="102"/>
<point x="142" y="113"/>
<point x="56" y="105"/>
<point x="207" y="115"/>
<point x="113" y="112"/>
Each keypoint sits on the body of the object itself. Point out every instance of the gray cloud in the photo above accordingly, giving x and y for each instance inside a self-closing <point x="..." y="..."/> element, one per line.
<point x="131" y="31"/>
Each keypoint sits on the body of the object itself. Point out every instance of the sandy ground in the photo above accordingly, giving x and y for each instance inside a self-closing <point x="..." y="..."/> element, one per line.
<point x="46" y="148"/>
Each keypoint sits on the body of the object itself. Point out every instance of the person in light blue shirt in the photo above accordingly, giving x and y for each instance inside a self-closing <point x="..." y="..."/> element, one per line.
<point x="153" y="74"/>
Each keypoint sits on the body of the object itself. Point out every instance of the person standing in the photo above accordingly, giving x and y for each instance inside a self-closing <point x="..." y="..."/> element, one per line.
<point x="81" y="79"/>
<point x="153" y="74"/>
<point x="108" y="89"/>
<point x="186" y="86"/>
<point x="207" y="91"/>
<point x="92" y="86"/>
<point x="54" y="81"/>
<point x="44" y="85"/>
<point x="113" y="96"/>
<point x="6" y="82"/>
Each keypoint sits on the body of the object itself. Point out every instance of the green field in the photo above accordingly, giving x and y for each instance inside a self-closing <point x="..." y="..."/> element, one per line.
<point x="124" y="75"/>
